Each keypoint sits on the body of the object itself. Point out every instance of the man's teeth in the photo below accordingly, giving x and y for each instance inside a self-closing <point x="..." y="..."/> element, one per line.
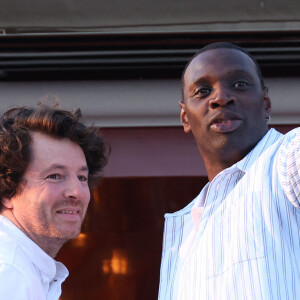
<point x="67" y="212"/>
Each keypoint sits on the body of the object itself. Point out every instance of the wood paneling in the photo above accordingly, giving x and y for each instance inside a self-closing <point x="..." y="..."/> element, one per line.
<point x="118" y="254"/>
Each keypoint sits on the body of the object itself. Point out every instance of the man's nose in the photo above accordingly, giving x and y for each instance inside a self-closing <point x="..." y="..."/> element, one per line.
<point x="73" y="188"/>
<point x="222" y="97"/>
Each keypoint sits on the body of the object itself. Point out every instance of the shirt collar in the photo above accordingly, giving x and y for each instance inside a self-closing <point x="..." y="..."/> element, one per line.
<point x="269" y="139"/>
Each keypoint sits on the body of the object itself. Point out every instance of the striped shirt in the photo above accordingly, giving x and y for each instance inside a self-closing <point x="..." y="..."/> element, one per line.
<point x="245" y="244"/>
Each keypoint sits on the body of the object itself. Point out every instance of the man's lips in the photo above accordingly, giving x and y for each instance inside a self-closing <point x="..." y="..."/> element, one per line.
<point x="225" y="122"/>
<point x="67" y="211"/>
<point x="69" y="214"/>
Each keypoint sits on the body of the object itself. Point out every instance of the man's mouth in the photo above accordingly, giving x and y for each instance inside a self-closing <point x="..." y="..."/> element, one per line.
<point x="69" y="215"/>
<point x="68" y="211"/>
<point x="225" y="123"/>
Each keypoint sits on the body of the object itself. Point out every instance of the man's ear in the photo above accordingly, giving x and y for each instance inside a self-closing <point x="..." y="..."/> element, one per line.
<point x="7" y="203"/>
<point x="267" y="103"/>
<point x="184" y="118"/>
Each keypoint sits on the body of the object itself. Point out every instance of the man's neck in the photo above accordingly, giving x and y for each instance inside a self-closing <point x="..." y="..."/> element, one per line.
<point x="219" y="161"/>
<point x="48" y="244"/>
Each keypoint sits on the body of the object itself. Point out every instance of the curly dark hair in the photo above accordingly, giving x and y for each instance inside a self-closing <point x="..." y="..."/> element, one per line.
<point x="15" y="140"/>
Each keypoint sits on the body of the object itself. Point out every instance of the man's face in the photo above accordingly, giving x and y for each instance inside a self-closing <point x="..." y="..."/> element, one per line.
<point x="224" y="106"/>
<point x="54" y="197"/>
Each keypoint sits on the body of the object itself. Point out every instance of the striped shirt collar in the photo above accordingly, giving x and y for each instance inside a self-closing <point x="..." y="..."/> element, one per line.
<point x="269" y="139"/>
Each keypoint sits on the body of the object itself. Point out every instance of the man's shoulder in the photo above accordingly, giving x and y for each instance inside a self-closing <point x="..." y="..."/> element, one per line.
<point x="289" y="140"/>
<point x="8" y="248"/>
<point x="276" y="141"/>
<point x="293" y="133"/>
<point x="11" y="253"/>
<point x="12" y="241"/>
<point x="18" y="276"/>
<point x="14" y="261"/>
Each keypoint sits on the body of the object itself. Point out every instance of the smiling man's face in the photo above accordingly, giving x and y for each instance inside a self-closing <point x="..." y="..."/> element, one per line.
<point x="224" y="104"/>
<point x="54" y="196"/>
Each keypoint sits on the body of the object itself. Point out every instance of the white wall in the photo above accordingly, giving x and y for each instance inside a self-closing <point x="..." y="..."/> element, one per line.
<point x="136" y="103"/>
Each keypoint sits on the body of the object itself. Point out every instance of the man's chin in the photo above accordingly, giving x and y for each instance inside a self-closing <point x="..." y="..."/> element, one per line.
<point x="72" y="235"/>
<point x="222" y="142"/>
<point x="68" y="233"/>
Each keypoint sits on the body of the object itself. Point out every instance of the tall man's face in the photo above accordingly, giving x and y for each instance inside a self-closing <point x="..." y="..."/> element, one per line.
<point x="225" y="106"/>
<point x="54" y="196"/>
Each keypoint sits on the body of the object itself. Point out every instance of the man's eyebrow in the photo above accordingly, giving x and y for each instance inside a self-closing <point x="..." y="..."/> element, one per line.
<point x="199" y="81"/>
<point x="62" y="167"/>
<point x="240" y="71"/>
<point x="206" y="79"/>
<point x="84" y="168"/>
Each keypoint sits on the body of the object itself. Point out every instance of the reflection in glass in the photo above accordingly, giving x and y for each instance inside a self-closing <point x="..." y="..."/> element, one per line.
<point x="118" y="264"/>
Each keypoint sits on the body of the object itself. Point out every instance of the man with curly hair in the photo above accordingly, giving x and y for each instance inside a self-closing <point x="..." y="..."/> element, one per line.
<point x="48" y="161"/>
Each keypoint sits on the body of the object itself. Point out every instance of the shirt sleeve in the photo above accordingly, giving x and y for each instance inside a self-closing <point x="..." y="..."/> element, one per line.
<point x="289" y="167"/>
<point x="14" y="285"/>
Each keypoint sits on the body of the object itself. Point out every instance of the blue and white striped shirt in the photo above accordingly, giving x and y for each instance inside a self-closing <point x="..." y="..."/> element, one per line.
<point x="247" y="244"/>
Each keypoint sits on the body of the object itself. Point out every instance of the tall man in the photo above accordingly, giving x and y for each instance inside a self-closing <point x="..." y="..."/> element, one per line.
<point x="48" y="159"/>
<point x="240" y="237"/>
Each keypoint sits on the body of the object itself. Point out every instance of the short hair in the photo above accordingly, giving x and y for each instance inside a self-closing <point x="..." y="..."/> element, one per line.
<point x="15" y="142"/>
<point x="222" y="45"/>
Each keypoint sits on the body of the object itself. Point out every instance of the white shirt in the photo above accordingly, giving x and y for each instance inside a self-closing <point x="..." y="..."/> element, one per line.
<point x="246" y="244"/>
<point x="26" y="271"/>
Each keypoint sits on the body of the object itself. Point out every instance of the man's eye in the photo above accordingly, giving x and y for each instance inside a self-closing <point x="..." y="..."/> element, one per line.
<point x="54" y="176"/>
<point x="203" y="92"/>
<point x="240" y="84"/>
<point x="83" y="178"/>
